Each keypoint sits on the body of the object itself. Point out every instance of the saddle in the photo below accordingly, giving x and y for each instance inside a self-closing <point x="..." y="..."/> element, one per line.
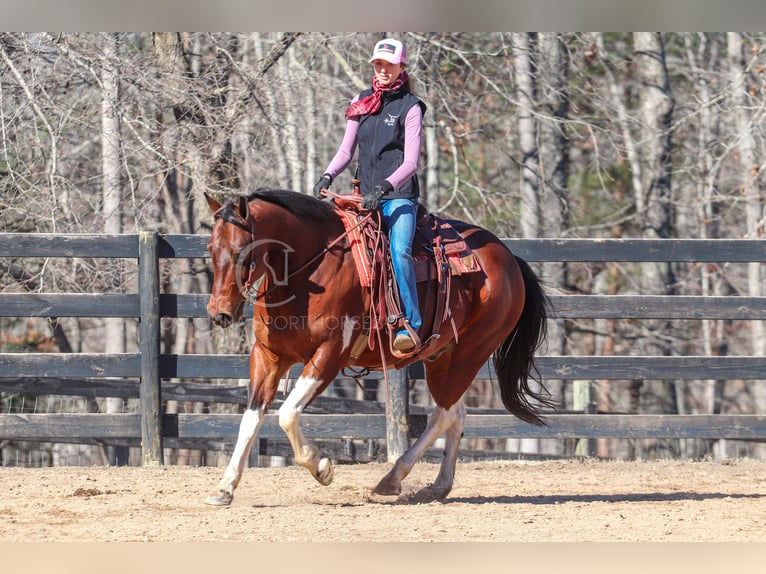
<point x="440" y="252"/>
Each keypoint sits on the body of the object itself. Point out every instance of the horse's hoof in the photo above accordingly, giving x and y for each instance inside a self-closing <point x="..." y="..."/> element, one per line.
<point x="388" y="487"/>
<point x="222" y="498"/>
<point x="325" y="472"/>
<point x="439" y="491"/>
<point x="430" y="494"/>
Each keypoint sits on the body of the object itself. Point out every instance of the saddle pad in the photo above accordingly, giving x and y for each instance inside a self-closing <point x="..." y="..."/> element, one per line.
<point x="433" y="233"/>
<point x="459" y="262"/>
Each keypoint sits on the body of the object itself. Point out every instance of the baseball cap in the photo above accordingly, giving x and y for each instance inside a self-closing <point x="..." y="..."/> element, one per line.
<point x="390" y="50"/>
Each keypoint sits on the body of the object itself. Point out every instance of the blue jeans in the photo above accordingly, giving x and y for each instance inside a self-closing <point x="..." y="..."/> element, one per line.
<point x="399" y="216"/>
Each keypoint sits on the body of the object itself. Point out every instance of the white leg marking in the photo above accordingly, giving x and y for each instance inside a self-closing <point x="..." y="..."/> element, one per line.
<point x="443" y="483"/>
<point x="248" y="430"/>
<point x="439" y="421"/>
<point x="289" y="413"/>
<point x="296" y="401"/>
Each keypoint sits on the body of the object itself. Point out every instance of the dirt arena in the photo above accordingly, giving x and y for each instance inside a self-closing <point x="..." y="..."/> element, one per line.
<point x="550" y="501"/>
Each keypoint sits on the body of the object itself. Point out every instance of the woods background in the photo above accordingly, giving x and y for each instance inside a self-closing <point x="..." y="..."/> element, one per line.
<point x="586" y="135"/>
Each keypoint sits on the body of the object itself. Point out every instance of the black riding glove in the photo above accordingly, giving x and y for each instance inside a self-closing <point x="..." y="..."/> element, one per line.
<point x="323" y="183"/>
<point x="372" y="201"/>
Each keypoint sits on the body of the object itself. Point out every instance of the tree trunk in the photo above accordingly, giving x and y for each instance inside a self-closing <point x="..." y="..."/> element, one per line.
<point x="702" y="201"/>
<point x="749" y="176"/>
<point x="291" y="96"/>
<point x="524" y="45"/>
<point x="554" y="147"/>
<point x="656" y="108"/>
<point x="524" y="74"/>
<point x="274" y="126"/>
<point x="656" y="111"/>
<point x="114" y="329"/>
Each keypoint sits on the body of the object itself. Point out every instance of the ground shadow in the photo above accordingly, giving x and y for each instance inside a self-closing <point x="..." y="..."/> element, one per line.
<point x="620" y="497"/>
<point x="424" y="497"/>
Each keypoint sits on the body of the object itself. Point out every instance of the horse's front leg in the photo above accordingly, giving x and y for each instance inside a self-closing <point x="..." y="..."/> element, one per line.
<point x="265" y="372"/>
<point x="248" y="430"/>
<point x="306" y="454"/>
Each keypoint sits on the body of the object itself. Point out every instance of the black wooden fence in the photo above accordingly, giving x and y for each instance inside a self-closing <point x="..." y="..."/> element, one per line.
<point x="144" y="371"/>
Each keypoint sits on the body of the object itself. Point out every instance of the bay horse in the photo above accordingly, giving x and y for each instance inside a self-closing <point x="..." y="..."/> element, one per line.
<point x="286" y="251"/>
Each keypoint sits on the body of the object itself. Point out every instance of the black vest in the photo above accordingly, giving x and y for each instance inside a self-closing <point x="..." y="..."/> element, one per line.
<point x="381" y="143"/>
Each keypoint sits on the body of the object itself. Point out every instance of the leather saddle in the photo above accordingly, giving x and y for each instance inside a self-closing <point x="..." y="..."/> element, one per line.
<point x="440" y="252"/>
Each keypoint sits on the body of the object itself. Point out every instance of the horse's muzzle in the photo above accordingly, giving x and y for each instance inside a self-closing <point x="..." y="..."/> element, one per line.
<point x="225" y="313"/>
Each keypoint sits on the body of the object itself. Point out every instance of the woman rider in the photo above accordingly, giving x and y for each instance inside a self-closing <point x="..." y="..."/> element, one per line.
<point x="386" y="123"/>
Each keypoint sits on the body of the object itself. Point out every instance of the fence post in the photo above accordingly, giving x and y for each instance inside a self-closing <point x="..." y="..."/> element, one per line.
<point x="583" y="401"/>
<point x="397" y="427"/>
<point x="149" y="348"/>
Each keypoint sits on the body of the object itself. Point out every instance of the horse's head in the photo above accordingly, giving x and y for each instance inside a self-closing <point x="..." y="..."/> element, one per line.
<point x="228" y="248"/>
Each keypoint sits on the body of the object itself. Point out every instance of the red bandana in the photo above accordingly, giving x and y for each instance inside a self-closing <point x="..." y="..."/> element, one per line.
<point x="371" y="103"/>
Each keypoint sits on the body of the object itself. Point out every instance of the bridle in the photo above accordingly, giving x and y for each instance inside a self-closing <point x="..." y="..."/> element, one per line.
<point x="249" y="289"/>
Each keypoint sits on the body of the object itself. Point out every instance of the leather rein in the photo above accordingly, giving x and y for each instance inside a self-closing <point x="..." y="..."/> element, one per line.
<point x="247" y="290"/>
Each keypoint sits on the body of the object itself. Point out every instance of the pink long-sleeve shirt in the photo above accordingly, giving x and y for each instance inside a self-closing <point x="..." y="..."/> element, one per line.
<point x="413" y="131"/>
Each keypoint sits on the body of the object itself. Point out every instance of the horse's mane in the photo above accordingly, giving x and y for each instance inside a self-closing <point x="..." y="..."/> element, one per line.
<point x="301" y="205"/>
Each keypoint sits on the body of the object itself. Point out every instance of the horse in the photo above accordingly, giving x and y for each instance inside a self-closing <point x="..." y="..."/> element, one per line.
<point x="286" y="253"/>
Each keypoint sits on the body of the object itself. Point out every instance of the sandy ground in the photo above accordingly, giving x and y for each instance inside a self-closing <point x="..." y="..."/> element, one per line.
<point x="519" y="501"/>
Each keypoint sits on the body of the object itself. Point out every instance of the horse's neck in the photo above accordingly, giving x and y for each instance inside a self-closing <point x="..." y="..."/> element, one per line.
<point x="280" y="230"/>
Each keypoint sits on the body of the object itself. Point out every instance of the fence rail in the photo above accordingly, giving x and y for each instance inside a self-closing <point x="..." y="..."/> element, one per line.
<point x="143" y="372"/>
<point x="565" y="306"/>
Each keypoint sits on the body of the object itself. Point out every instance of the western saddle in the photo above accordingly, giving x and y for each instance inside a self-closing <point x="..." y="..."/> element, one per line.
<point x="439" y="251"/>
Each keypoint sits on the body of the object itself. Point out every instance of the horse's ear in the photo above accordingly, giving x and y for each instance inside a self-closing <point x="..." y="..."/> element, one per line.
<point x="212" y="203"/>
<point x="244" y="212"/>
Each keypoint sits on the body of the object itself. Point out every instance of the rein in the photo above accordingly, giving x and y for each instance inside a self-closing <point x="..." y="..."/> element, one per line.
<point x="326" y="249"/>
<point x="249" y="226"/>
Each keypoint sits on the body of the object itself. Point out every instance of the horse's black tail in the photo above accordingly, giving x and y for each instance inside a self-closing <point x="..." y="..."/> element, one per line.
<point x="514" y="359"/>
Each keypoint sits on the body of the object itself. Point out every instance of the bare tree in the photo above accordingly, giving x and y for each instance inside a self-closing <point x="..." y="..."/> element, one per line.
<point x="524" y="74"/>
<point x="703" y="201"/>
<point x="553" y="79"/>
<point x="749" y="175"/>
<point x="524" y="45"/>
<point x="653" y="203"/>
<point x="114" y="329"/>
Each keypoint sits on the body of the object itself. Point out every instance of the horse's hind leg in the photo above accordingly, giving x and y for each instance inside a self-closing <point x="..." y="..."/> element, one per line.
<point x="443" y="483"/>
<point x="451" y="421"/>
